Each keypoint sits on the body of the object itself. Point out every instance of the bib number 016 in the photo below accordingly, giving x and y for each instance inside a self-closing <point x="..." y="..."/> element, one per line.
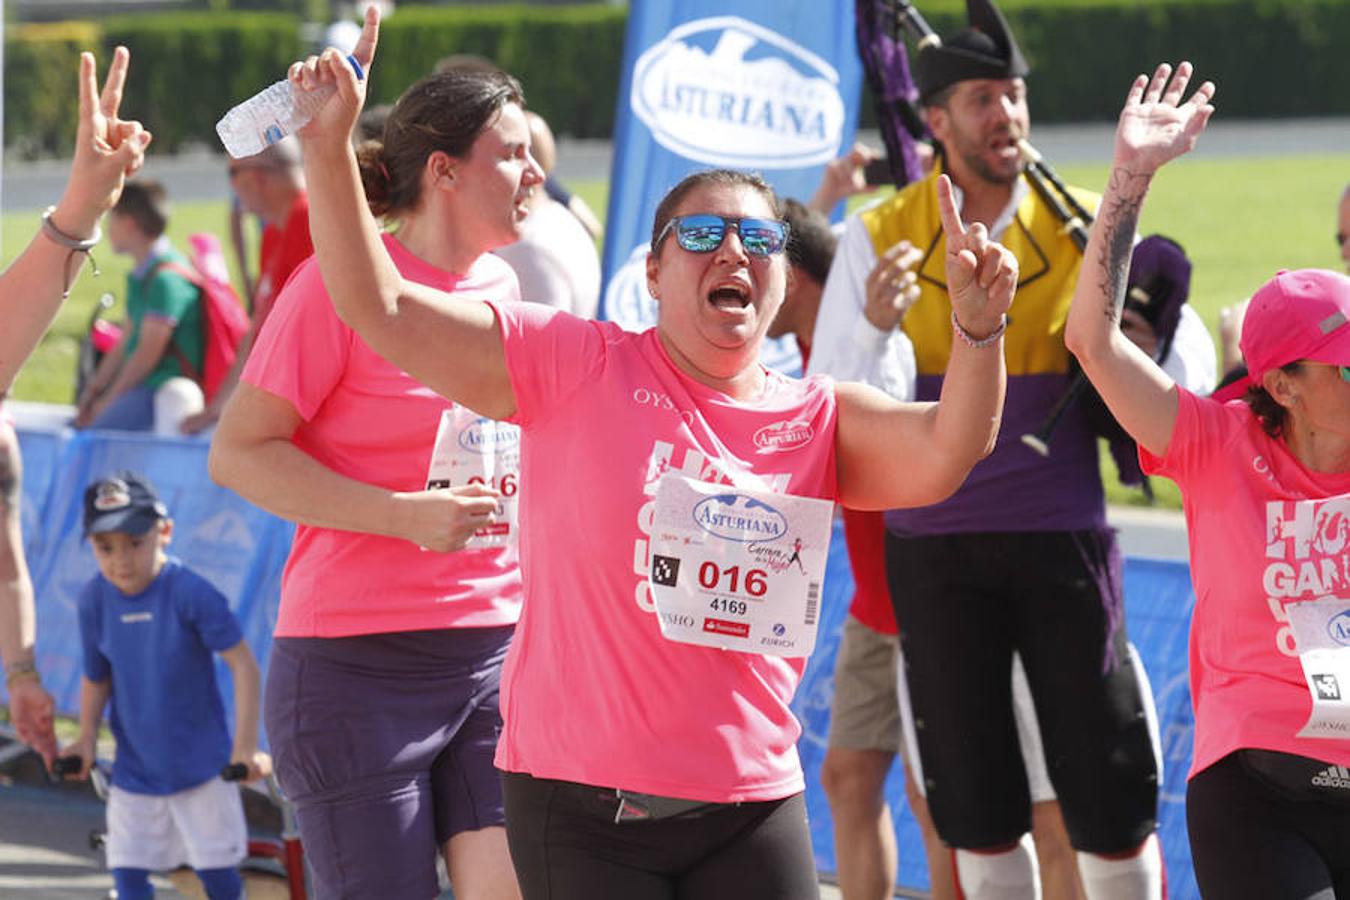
<point x="711" y="577"/>
<point x="506" y="485"/>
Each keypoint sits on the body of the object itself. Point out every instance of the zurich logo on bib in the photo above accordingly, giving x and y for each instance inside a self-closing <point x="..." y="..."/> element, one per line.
<point x="753" y="99"/>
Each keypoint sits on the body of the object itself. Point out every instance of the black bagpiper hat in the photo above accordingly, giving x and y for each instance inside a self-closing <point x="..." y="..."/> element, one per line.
<point x="986" y="49"/>
<point x="123" y="502"/>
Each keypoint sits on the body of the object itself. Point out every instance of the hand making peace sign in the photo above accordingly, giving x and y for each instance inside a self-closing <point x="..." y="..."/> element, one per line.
<point x="108" y="149"/>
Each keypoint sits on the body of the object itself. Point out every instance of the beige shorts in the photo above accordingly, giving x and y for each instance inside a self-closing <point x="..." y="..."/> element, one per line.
<point x="865" y="711"/>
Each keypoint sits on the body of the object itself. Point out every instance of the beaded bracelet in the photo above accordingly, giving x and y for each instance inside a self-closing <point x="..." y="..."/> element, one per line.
<point x="971" y="341"/>
<point x="74" y="245"/>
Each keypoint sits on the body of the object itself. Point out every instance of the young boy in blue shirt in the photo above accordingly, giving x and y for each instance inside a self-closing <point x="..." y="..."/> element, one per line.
<point x="149" y="626"/>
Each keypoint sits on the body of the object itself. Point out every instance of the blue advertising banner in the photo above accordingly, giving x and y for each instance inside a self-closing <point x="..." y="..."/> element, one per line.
<point x="773" y="88"/>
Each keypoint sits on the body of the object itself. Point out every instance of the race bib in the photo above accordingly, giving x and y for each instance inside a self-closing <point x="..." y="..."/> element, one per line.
<point x="1322" y="633"/>
<point x="472" y="449"/>
<point x="738" y="569"/>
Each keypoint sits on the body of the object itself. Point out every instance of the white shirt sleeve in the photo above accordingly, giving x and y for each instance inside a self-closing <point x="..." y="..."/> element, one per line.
<point x="844" y="344"/>
<point x="1190" y="362"/>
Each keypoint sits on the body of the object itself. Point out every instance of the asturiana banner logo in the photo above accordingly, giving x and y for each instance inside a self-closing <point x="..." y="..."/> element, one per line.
<point x="755" y="100"/>
<point x="737" y="517"/>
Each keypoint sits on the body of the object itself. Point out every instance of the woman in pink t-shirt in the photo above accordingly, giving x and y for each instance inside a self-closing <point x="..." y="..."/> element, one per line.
<point x="382" y="699"/>
<point x="638" y="760"/>
<point x="1266" y="485"/>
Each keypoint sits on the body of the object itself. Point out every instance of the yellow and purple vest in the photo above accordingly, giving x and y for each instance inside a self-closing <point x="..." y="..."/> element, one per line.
<point x="1014" y="488"/>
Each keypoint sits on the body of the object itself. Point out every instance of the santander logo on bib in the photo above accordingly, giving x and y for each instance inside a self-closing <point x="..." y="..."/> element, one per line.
<point x="753" y="99"/>
<point x="784" y="436"/>
<point x="737" y="517"/>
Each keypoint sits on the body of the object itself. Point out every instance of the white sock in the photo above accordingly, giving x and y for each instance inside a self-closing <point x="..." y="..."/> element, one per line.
<point x="1010" y="875"/>
<point x="1137" y="877"/>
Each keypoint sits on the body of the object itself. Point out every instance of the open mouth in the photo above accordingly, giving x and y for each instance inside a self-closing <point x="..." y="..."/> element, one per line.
<point x="1005" y="146"/>
<point x="729" y="296"/>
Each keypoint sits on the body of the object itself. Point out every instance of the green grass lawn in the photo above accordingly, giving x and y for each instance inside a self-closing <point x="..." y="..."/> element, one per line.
<point x="1239" y="219"/>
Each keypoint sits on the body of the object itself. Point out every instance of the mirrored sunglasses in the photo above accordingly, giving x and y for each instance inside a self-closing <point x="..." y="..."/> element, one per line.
<point x="704" y="233"/>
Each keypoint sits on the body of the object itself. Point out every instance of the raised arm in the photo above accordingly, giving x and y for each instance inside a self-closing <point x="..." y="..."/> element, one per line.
<point x="107" y="150"/>
<point x="1155" y="127"/>
<point x="894" y="455"/>
<point x="450" y="345"/>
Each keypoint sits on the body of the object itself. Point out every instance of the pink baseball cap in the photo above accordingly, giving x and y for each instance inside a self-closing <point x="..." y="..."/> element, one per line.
<point x="1303" y="314"/>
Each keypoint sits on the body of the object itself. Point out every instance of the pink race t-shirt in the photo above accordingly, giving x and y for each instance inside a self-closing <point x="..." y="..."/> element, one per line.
<point x="1264" y="533"/>
<point x="591" y="691"/>
<point x="370" y="421"/>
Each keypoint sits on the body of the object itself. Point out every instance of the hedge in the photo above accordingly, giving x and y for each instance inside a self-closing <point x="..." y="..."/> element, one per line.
<point x="41" y="85"/>
<point x="567" y="58"/>
<point x="189" y="68"/>
<point x="1271" y="58"/>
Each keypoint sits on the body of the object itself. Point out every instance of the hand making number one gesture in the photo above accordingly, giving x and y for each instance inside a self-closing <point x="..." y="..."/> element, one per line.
<point x="1155" y="126"/>
<point x="332" y="126"/>
<point x="981" y="273"/>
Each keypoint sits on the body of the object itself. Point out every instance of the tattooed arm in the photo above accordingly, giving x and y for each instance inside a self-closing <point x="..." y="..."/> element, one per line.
<point x="1155" y="127"/>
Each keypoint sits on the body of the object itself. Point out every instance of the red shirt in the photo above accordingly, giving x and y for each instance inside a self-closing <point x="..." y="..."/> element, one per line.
<point x="865" y="536"/>
<point x="283" y="249"/>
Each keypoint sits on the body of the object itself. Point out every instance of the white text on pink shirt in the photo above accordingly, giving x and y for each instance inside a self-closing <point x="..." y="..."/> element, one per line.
<point x="1308" y="542"/>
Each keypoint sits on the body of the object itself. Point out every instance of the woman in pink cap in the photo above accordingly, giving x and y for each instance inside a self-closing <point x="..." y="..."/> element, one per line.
<point x="1266" y="485"/>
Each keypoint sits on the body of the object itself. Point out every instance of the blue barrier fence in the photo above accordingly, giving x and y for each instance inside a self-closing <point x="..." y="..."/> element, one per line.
<point x="242" y="551"/>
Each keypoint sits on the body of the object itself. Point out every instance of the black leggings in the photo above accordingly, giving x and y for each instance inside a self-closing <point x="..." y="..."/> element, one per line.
<point x="1253" y="838"/>
<point x="566" y="845"/>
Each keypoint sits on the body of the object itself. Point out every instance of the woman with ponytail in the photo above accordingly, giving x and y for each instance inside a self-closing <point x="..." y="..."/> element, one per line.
<point x="402" y="589"/>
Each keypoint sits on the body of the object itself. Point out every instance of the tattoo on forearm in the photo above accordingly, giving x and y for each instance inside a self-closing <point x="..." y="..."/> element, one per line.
<point x="1119" y="218"/>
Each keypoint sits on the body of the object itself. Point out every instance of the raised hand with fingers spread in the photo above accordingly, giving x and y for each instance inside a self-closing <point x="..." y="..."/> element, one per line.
<point x="1155" y="126"/>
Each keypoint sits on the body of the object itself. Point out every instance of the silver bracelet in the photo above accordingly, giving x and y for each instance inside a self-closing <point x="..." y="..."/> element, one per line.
<point x="971" y="341"/>
<point x="56" y="234"/>
<point x="74" y="245"/>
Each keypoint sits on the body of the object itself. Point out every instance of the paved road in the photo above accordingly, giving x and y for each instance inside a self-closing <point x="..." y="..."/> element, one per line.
<point x="200" y="175"/>
<point x="45" y="855"/>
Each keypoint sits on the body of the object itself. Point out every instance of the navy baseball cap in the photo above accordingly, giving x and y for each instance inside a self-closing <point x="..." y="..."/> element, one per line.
<point x="123" y="502"/>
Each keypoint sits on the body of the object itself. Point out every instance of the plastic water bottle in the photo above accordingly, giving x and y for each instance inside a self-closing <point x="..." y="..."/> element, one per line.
<point x="271" y="114"/>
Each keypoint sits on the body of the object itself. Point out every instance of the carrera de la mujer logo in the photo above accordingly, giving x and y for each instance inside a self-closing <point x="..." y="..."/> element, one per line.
<point x="737" y="517"/>
<point x="727" y="92"/>
<point x="488" y="435"/>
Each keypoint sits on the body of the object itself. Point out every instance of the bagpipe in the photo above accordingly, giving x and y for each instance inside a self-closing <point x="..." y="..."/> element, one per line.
<point x="1160" y="273"/>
